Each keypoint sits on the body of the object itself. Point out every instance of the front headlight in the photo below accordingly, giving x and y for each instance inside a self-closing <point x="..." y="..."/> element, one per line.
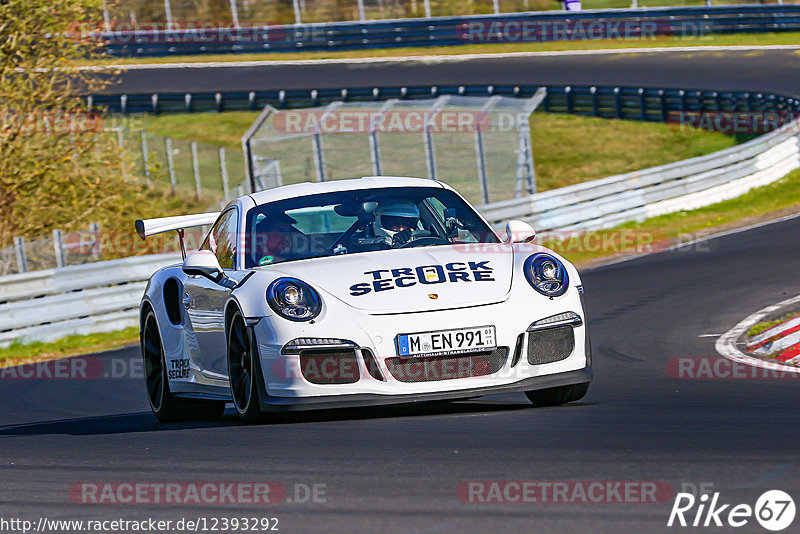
<point x="293" y="299"/>
<point x="546" y="274"/>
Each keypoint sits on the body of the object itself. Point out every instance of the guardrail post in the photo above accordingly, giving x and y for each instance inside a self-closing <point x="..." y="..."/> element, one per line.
<point x="22" y="258"/>
<point x="154" y="103"/>
<point x="595" y="107"/>
<point x="58" y="248"/>
<point x="496" y="5"/>
<point x="123" y="104"/>
<point x="170" y="162"/>
<point x="568" y="96"/>
<point x="663" y="98"/>
<point x="94" y="228"/>
<point x="642" y="104"/>
<point x="145" y="157"/>
<point x="187" y="100"/>
<point x="196" y="169"/>
<point x="427" y="9"/>
<point x="618" y="102"/>
<point x="223" y="170"/>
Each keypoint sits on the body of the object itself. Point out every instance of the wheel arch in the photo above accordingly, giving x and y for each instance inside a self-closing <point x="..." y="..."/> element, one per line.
<point x="231" y="307"/>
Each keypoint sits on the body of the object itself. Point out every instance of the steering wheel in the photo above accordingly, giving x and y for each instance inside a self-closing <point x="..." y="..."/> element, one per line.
<point x="424" y="241"/>
<point x="359" y="225"/>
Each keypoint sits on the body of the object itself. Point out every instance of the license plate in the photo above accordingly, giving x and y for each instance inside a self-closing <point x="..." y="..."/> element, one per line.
<point x="446" y="342"/>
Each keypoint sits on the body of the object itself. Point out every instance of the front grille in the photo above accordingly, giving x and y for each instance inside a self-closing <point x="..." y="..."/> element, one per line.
<point x="329" y="366"/>
<point x="447" y="367"/>
<point x="550" y="345"/>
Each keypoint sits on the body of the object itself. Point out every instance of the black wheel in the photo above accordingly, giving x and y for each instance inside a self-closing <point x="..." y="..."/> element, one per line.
<point x="243" y="371"/>
<point x="165" y="407"/>
<point x="557" y="395"/>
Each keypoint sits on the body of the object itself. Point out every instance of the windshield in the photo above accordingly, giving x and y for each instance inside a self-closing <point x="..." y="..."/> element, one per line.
<point x="348" y="222"/>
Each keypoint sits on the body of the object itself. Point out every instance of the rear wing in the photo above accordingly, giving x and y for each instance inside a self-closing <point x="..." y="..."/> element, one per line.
<point x="147" y="227"/>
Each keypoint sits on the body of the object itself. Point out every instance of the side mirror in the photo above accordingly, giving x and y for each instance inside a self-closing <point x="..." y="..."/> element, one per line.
<point x="519" y="232"/>
<point x="203" y="263"/>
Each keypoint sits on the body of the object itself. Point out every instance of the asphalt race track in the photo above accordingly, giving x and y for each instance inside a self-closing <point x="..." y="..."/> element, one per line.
<point x="397" y="469"/>
<point x="775" y="70"/>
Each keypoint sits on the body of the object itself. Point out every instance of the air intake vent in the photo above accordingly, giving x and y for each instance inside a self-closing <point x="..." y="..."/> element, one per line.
<point x="447" y="367"/>
<point x="329" y="366"/>
<point x="372" y="365"/>
<point x="551" y="345"/>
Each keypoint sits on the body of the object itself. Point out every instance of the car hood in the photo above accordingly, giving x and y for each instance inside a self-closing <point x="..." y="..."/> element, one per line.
<point x="413" y="279"/>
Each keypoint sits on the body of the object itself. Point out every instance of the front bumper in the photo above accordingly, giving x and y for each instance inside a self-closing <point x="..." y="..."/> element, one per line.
<point x="290" y="404"/>
<point x="286" y="388"/>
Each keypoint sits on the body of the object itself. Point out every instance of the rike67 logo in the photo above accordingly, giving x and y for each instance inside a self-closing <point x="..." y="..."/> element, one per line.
<point x="774" y="510"/>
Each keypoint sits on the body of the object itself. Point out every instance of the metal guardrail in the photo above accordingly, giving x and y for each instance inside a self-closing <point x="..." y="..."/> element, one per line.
<point x="622" y="102"/>
<point x="683" y="185"/>
<point x="97" y="297"/>
<point x="694" y="21"/>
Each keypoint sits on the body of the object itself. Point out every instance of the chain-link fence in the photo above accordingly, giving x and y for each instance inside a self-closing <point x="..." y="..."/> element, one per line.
<point x="479" y="145"/>
<point x="260" y="13"/>
<point x="211" y="174"/>
<point x="57" y="250"/>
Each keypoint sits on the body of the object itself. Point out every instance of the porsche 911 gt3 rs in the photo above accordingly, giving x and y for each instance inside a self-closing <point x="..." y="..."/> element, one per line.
<point x="358" y="292"/>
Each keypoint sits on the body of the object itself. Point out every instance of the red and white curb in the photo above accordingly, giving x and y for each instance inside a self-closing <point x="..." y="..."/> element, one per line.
<point x="726" y="344"/>
<point x="782" y="339"/>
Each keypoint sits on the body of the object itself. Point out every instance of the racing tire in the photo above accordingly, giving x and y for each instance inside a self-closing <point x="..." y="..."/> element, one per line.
<point x="244" y="371"/>
<point x="557" y="395"/>
<point x="164" y="405"/>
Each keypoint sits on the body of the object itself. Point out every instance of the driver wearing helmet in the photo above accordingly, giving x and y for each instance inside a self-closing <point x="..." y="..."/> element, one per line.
<point x="397" y="221"/>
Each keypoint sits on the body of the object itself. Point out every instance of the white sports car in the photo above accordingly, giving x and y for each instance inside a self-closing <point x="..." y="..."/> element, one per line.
<point x="358" y="292"/>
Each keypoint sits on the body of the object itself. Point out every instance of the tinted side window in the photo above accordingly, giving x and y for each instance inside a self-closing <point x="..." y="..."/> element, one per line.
<point x="222" y="239"/>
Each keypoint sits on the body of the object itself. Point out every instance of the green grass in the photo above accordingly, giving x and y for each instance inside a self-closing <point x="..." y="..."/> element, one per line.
<point x="782" y="38"/>
<point x="761" y="203"/>
<point x="569" y="149"/>
<point x="221" y="129"/>
<point x="763" y="327"/>
<point x="75" y="345"/>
